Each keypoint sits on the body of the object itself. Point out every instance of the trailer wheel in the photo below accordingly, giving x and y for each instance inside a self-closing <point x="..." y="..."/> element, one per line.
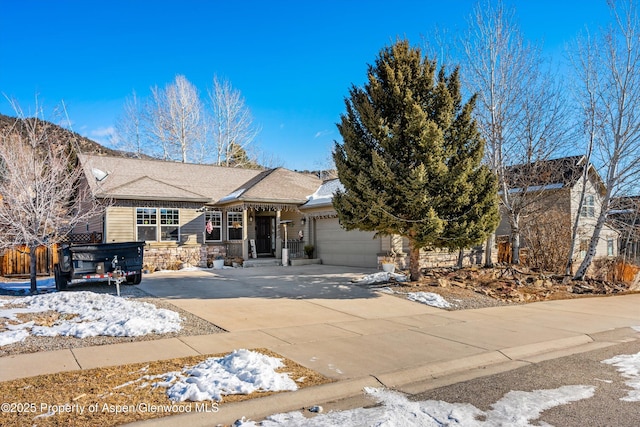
<point x="60" y="279"/>
<point x="135" y="279"/>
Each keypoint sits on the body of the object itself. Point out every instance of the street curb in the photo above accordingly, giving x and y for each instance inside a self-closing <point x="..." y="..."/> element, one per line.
<point x="262" y="407"/>
<point x="405" y="379"/>
<point x="438" y="369"/>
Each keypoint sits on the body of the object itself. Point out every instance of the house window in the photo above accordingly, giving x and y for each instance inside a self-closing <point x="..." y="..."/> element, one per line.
<point x="169" y="225"/>
<point x="153" y="222"/>
<point x="213" y="226"/>
<point x="610" y="247"/>
<point x="147" y="224"/>
<point x="234" y="225"/>
<point x="584" y="247"/>
<point x="588" y="207"/>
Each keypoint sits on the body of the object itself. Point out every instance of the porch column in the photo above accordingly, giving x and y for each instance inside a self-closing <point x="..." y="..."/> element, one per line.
<point x="278" y="235"/>
<point x="245" y="234"/>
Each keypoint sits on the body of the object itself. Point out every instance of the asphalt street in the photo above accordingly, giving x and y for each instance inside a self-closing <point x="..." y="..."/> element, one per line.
<point x="604" y="409"/>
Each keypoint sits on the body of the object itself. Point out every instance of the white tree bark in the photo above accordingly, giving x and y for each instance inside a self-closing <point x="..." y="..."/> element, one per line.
<point x="616" y="65"/>
<point x="521" y="109"/>
<point x="231" y="125"/>
<point x="175" y="118"/>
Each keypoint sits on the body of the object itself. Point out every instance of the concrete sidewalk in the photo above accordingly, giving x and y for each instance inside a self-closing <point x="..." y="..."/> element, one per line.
<point x="362" y="338"/>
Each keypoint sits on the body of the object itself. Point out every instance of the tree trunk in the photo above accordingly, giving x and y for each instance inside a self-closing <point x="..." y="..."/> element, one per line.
<point x="460" y="257"/>
<point x="515" y="246"/>
<point x="414" y="262"/>
<point x="514" y="220"/>
<point x="488" y="250"/>
<point x="33" y="268"/>
<point x="593" y="243"/>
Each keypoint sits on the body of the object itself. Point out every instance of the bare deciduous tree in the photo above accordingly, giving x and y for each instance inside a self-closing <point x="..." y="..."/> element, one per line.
<point x="231" y="124"/>
<point x="175" y="119"/>
<point x="130" y="127"/>
<point x="41" y="193"/>
<point x="520" y="110"/>
<point x="614" y="84"/>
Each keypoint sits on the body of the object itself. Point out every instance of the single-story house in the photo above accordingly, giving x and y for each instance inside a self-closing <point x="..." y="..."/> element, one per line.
<point x="194" y="213"/>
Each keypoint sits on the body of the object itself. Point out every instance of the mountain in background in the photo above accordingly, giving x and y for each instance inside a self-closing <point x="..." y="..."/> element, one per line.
<point x="61" y="136"/>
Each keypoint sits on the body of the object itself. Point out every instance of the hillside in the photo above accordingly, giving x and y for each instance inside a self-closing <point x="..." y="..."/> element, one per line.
<point x="61" y="135"/>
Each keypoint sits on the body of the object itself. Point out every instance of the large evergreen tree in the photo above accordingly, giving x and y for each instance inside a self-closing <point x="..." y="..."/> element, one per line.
<point x="410" y="157"/>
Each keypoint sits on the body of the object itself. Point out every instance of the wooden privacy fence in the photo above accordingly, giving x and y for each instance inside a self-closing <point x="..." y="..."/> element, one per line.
<point x="16" y="261"/>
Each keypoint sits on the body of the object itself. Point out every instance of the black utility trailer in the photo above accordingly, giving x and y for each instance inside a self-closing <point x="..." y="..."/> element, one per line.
<point x="99" y="262"/>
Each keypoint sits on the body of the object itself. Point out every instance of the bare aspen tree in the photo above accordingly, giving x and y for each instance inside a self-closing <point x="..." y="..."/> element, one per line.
<point x="586" y="78"/>
<point x="130" y="127"/>
<point x="175" y="119"/>
<point x="42" y="196"/>
<point x="231" y="125"/>
<point x="615" y="56"/>
<point x="520" y="110"/>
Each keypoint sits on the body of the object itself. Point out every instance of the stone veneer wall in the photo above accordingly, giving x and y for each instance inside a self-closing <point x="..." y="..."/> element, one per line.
<point x="175" y="257"/>
<point x="441" y="258"/>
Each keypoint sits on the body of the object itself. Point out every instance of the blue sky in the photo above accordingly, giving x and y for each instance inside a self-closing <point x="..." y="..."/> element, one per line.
<point x="293" y="61"/>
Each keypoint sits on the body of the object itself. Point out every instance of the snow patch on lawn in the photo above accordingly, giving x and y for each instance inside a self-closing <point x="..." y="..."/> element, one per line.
<point x="86" y="314"/>
<point x="628" y="366"/>
<point x="516" y="408"/>
<point x="240" y="372"/>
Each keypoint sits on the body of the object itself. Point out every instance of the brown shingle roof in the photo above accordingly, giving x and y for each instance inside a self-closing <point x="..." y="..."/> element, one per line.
<point x="142" y="179"/>
<point x="276" y="185"/>
<point x="161" y="180"/>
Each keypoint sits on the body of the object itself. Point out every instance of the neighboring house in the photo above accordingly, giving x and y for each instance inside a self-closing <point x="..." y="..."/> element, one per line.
<point x="193" y="213"/>
<point x="624" y="215"/>
<point x="554" y="188"/>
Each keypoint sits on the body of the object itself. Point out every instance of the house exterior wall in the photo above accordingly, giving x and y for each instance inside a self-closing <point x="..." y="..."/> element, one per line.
<point x="608" y="241"/>
<point x="120" y="224"/>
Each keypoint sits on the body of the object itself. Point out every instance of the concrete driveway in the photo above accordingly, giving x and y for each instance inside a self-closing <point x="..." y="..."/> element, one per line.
<point x="239" y="299"/>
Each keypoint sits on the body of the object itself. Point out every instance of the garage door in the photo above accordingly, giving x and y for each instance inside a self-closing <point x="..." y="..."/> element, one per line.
<point x="335" y="246"/>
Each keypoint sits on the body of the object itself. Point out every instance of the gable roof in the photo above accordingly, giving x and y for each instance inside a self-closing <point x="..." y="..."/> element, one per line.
<point x="552" y="174"/>
<point x="276" y="186"/>
<point x="143" y="179"/>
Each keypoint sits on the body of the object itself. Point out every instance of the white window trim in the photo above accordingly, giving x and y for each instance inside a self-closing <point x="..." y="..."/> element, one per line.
<point x="230" y="225"/>
<point x="158" y="224"/>
<point x="219" y="214"/>
<point x="143" y="225"/>
<point x="588" y="210"/>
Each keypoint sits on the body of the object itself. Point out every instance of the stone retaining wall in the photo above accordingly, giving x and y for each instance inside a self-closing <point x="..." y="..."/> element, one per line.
<point x="176" y="257"/>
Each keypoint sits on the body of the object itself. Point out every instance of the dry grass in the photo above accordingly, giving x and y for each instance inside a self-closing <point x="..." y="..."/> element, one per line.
<point x="94" y="397"/>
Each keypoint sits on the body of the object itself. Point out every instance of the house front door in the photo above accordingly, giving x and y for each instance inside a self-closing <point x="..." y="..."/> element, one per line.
<point x="263" y="235"/>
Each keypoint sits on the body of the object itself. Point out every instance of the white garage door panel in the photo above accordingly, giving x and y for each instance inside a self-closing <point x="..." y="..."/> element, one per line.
<point x="351" y="248"/>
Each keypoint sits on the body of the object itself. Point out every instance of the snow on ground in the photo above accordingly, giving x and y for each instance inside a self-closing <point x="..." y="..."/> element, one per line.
<point x="629" y="367"/>
<point x="380" y="277"/>
<point x="516" y="408"/>
<point x="85" y="314"/>
<point x="240" y="372"/>
<point x="429" y="298"/>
